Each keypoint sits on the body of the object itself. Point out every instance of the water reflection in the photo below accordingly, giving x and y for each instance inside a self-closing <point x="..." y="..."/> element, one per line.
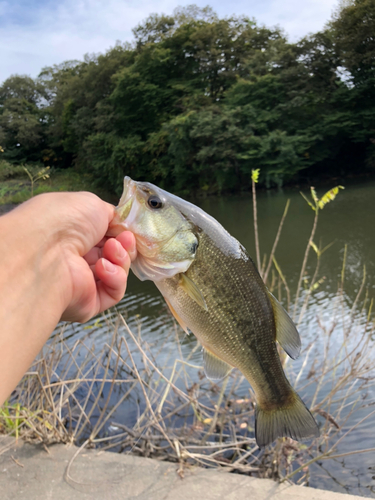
<point x="349" y="220"/>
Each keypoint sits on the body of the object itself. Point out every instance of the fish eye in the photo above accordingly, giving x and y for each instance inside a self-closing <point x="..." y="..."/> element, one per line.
<point x="154" y="202"/>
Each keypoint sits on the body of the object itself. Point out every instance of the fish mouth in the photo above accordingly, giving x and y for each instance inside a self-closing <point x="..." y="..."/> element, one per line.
<point x="118" y="223"/>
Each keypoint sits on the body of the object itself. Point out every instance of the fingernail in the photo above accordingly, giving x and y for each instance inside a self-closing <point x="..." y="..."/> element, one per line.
<point x="120" y="251"/>
<point x="108" y="266"/>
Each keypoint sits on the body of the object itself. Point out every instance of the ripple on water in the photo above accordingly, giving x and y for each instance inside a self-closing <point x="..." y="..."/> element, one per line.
<point x="325" y="323"/>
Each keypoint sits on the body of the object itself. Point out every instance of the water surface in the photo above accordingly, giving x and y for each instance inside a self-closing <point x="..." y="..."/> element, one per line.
<point x="349" y="220"/>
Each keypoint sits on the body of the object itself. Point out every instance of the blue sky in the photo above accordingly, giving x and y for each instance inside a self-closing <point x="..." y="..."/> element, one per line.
<point x="38" y="33"/>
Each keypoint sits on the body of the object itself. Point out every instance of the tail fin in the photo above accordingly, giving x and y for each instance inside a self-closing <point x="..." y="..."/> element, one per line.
<point x="294" y="421"/>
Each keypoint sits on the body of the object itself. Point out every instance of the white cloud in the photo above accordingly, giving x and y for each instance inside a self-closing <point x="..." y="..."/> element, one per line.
<point x="59" y="31"/>
<point x="296" y="17"/>
<point x="68" y="30"/>
<point x="299" y="18"/>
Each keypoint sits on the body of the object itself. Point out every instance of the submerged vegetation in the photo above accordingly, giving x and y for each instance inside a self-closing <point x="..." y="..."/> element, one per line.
<point x="130" y="396"/>
<point x="196" y="102"/>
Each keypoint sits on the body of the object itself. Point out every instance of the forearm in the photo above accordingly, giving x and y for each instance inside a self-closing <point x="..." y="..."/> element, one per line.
<point x="33" y="294"/>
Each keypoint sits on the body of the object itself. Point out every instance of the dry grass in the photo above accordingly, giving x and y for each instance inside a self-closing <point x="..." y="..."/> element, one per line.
<point x="170" y="411"/>
<point x="71" y="394"/>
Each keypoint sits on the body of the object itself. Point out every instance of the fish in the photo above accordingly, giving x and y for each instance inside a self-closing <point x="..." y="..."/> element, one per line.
<point x="214" y="290"/>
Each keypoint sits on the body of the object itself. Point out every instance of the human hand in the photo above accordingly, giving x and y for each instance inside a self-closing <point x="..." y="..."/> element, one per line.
<point x="98" y="266"/>
<point x="68" y="230"/>
<point x="99" y="278"/>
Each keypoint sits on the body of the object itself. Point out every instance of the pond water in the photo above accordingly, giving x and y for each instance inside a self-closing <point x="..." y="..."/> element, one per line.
<point x="348" y="220"/>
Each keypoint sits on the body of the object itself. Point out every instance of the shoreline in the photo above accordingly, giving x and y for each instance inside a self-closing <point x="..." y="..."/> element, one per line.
<point x="299" y="184"/>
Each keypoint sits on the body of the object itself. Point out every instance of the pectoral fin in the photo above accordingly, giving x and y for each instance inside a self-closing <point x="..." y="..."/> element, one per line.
<point x="192" y="290"/>
<point x="214" y="367"/>
<point x="286" y="331"/>
<point x="182" y="324"/>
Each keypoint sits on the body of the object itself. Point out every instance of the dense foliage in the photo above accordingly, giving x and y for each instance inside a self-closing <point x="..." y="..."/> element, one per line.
<point x="197" y="102"/>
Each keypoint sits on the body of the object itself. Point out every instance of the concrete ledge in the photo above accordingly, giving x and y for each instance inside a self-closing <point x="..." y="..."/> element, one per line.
<point x="29" y="472"/>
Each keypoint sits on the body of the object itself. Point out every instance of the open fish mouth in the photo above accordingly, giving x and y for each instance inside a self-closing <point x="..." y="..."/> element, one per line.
<point x="118" y="223"/>
<point x="128" y="191"/>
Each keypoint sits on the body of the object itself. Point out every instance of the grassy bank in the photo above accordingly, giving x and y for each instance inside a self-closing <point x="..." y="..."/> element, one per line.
<point x="16" y="186"/>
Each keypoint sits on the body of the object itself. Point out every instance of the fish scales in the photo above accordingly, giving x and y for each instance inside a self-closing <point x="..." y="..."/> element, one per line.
<point x="213" y="288"/>
<point x="240" y="327"/>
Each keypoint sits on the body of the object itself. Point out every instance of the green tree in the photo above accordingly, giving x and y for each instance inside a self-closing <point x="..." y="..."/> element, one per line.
<point x="353" y="30"/>
<point x="22" y="118"/>
<point x="78" y="101"/>
<point x="198" y="102"/>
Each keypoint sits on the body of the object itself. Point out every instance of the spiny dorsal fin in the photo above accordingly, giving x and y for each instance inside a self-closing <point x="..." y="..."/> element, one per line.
<point x="214" y="367"/>
<point x="192" y="290"/>
<point x="182" y="324"/>
<point x="286" y="331"/>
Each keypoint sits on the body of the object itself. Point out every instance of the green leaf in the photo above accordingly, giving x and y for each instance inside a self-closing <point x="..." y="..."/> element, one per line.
<point x="315" y="248"/>
<point x="329" y="196"/>
<point x="317" y="284"/>
<point x="255" y="175"/>
<point x="314" y="195"/>
<point x="307" y="200"/>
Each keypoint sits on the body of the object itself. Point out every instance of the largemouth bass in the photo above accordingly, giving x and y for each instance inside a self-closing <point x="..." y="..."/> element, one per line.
<point x="214" y="290"/>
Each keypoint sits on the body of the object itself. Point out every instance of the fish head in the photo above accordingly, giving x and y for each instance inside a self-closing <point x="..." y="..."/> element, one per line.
<point x="166" y="239"/>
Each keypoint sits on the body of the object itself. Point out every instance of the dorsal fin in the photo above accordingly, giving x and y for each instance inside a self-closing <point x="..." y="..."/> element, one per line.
<point x="286" y="331"/>
<point x="192" y="290"/>
<point x="214" y="367"/>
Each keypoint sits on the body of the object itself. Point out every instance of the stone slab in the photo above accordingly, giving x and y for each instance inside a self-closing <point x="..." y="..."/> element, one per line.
<point x="30" y="472"/>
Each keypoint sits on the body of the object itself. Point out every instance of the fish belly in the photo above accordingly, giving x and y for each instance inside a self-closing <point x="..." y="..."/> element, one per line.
<point x="238" y="325"/>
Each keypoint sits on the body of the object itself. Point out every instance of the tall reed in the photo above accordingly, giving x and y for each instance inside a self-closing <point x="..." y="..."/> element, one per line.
<point x="77" y="393"/>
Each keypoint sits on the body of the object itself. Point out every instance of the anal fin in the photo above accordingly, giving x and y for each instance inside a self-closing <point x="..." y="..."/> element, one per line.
<point x="214" y="367"/>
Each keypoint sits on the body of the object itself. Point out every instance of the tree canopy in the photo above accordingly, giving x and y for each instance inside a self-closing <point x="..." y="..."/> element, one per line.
<point x="198" y="102"/>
